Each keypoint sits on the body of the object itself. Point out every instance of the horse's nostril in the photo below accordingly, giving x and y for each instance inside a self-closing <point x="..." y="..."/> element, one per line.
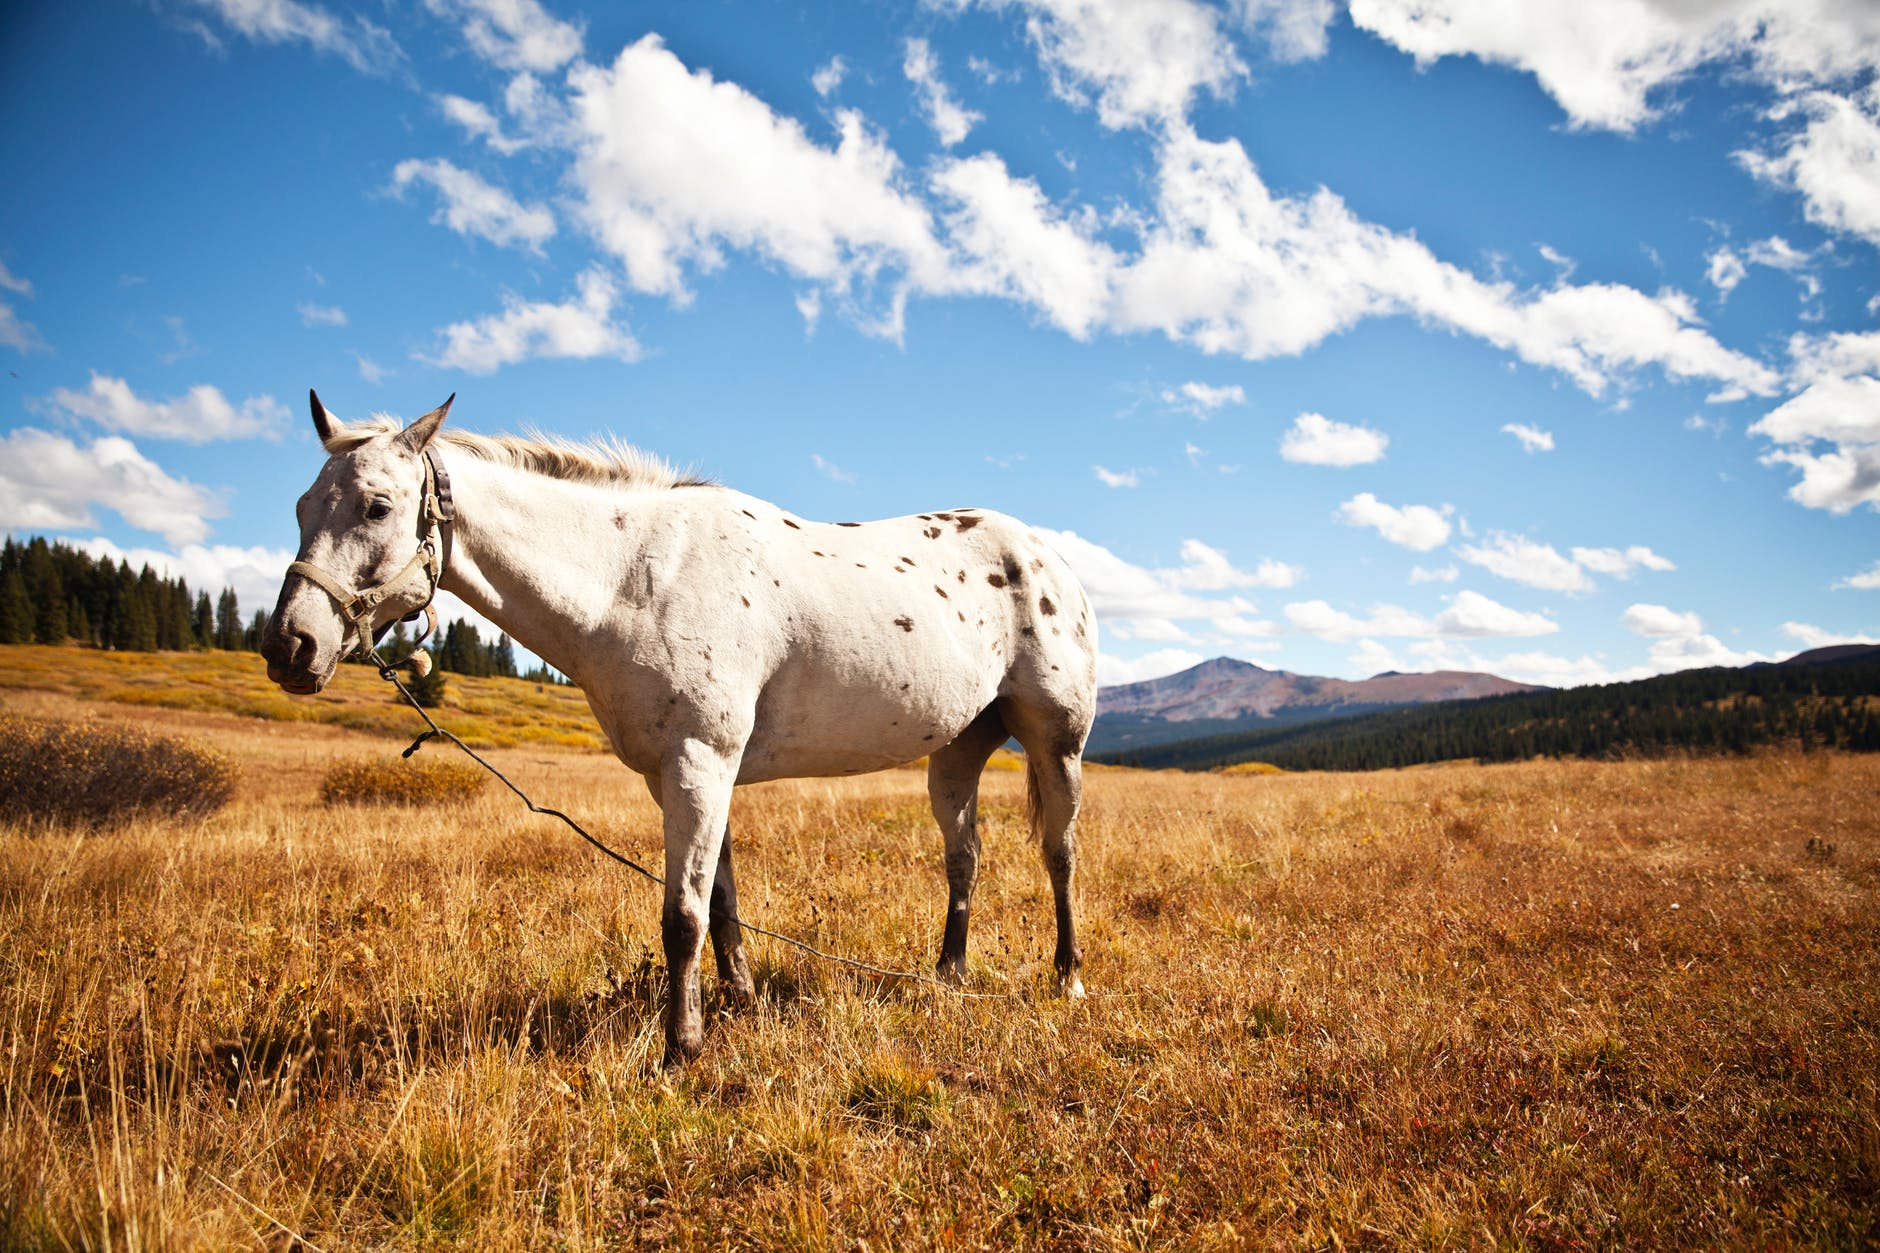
<point x="299" y="644"/>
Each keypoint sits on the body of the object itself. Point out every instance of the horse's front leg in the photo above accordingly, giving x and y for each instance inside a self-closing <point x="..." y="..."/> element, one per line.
<point x="734" y="972"/>
<point x="695" y="795"/>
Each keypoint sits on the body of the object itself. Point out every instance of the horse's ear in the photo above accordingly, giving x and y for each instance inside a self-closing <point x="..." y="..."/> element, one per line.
<point x="416" y="436"/>
<point x="324" y="424"/>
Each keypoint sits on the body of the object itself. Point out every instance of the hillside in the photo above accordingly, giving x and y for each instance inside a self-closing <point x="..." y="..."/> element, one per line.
<point x="484" y="711"/>
<point x="1227" y="695"/>
<point x="1833" y="701"/>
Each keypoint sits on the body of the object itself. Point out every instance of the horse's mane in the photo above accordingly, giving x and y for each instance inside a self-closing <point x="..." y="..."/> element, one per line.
<point x="603" y="459"/>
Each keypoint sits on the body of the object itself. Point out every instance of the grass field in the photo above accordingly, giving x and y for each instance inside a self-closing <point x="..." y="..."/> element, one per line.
<point x="1547" y="1005"/>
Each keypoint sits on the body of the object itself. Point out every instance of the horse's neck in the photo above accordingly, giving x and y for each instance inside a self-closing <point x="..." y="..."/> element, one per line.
<point x="535" y="555"/>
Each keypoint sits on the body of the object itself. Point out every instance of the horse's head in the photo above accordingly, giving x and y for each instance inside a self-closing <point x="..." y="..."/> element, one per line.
<point x="368" y="523"/>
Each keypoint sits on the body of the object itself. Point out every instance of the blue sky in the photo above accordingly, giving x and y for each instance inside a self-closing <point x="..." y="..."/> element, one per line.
<point x="1338" y="337"/>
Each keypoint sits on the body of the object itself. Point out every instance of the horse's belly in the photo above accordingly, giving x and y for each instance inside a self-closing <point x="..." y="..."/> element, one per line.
<point x="857" y="731"/>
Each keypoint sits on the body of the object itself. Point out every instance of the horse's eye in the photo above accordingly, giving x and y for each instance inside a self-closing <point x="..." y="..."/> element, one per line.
<point x="379" y="510"/>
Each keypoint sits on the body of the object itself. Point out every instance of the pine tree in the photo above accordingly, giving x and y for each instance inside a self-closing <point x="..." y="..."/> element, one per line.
<point x="16" y="609"/>
<point x="228" y="622"/>
<point x="202" y="622"/>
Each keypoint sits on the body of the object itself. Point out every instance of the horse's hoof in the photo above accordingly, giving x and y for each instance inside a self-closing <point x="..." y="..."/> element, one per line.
<point x="953" y="974"/>
<point x="1071" y="988"/>
<point x="681" y="1051"/>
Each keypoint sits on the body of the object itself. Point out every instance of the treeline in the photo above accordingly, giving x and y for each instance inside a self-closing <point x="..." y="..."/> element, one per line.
<point x="52" y="593"/>
<point x="1718" y="710"/>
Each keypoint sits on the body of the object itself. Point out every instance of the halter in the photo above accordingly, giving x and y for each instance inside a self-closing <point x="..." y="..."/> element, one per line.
<point x="435" y="515"/>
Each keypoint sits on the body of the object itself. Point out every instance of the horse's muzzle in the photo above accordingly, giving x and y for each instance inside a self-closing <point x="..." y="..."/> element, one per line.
<point x="291" y="657"/>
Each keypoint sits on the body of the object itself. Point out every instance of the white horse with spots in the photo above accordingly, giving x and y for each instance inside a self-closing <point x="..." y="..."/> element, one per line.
<point x="719" y="640"/>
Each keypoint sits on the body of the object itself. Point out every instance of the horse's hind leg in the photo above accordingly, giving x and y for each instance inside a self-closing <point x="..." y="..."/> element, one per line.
<point x="1056" y="787"/>
<point x="953" y="789"/>
<point x="734" y="972"/>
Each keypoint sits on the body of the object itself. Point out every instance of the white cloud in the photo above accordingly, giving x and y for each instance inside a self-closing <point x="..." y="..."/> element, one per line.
<point x="50" y="483"/>
<point x="1725" y="270"/>
<point x="1294" y="29"/>
<point x="18" y="334"/>
<point x="254" y="573"/>
<point x="1230" y="267"/>
<point x="1117" y="478"/>
<point x="513" y="34"/>
<point x="1814" y="637"/>
<point x="1833" y="161"/>
<point x="1838" y="405"/>
<point x="830" y="469"/>
<point x="471" y="206"/>
<point x="581" y="328"/>
<point x="362" y="45"/>
<point x="951" y="121"/>
<point x="1144" y="60"/>
<point x="1207" y="569"/>
<point x="1621" y="562"/>
<point x="1469" y="615"/>
<point x="1372" y="658"/>
<point x="370" y="370"/>
<point x="198" y="416"/>
<point x="1314" y="439"/>
<point x="1603" y="60"/>
<point x="1532" y="438"/>
<point x="1203" y="399"/>
<point x="1009" y="241"/>
<point x="672" y="167"/>
<point x="1145" y="604"/>
<point x="479" y="123"/>
<point x="1867" y="580"/>
<point x="1658" y="622"/>
<point x="14" y="283"/>
<point x="1442" y="574"/>
<point x="829" y="76"/>
<point x="320" y="315"/>
<point x="1112" y="670"/>
<point x="1522" y="560"/>
<point x="1416" y="527"/>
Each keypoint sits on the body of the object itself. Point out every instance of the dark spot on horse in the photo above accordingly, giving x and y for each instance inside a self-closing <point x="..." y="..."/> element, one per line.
<point x="1054" y="667"/>
<point x="1044" y="603"/>
<point x="903" y="687"/>
<point x="1080" y="629"/>
<point x="996" y="580"/>
<point x="793" y="526"/>
<point x="925" y="738"/>
<point x="1056" y="631"/>
<point x="962" y="617"/>
<point x="1013" y="574"/>
<point x="848" y="524"/>
<point x="962" y="576"/>
<point x="816" y="552"/>
<point x="943" y="517"/>
<point x="940" y="591"/>
<point x="1037" y="563"/>
<point x="932" y="532"/>
<point x="906" y="624"/>
<point x="747" y="513"/>
<point x="746" y="600"/>
<point x="900" y="569"/>
<point x="776" y="582"/>
<point x="964" y="523"/>
<point x="860" y="566"/>
<point x="620" y="521"/>
<point x="909" y="560"/>
<point x="672" y="700"/>
<point x="1027" y="631"/>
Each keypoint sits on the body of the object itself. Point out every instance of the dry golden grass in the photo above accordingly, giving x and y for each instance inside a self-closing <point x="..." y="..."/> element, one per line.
<point x="1539" y="1006"/>
<point x="393" y="780"/>
<point x="485" y="712"/>
<point x="97" y="773"/>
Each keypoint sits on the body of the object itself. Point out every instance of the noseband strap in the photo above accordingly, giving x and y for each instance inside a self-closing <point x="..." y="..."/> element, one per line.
<point x="435" y="514"/>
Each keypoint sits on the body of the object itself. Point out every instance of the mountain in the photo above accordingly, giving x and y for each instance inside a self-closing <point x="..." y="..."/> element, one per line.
<point x="1225" y="695"/>
<point x="1825" y="698"/>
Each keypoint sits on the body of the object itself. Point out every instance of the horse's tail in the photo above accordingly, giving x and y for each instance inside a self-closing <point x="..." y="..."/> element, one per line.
<point x="1034" y="799"/>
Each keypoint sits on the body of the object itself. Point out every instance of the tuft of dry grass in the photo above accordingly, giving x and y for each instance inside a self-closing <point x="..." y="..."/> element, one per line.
<point x="94" y="774"/>
<point x="1546" y="1005"/>
<point x="388" y="780"/>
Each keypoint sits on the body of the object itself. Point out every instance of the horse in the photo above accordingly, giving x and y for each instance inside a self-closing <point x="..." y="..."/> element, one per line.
<point x="719" y="640"/>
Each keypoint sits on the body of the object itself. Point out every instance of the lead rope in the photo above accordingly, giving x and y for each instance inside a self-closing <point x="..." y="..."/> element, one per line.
<point x="389" y="673"/>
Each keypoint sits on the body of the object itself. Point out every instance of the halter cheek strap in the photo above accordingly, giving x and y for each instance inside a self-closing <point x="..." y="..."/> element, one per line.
<point x="436" y="512"/>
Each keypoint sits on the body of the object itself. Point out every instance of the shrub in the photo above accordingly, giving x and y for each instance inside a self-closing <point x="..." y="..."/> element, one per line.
<point x="92" y="773"/>
<point x="400" y="781"/>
